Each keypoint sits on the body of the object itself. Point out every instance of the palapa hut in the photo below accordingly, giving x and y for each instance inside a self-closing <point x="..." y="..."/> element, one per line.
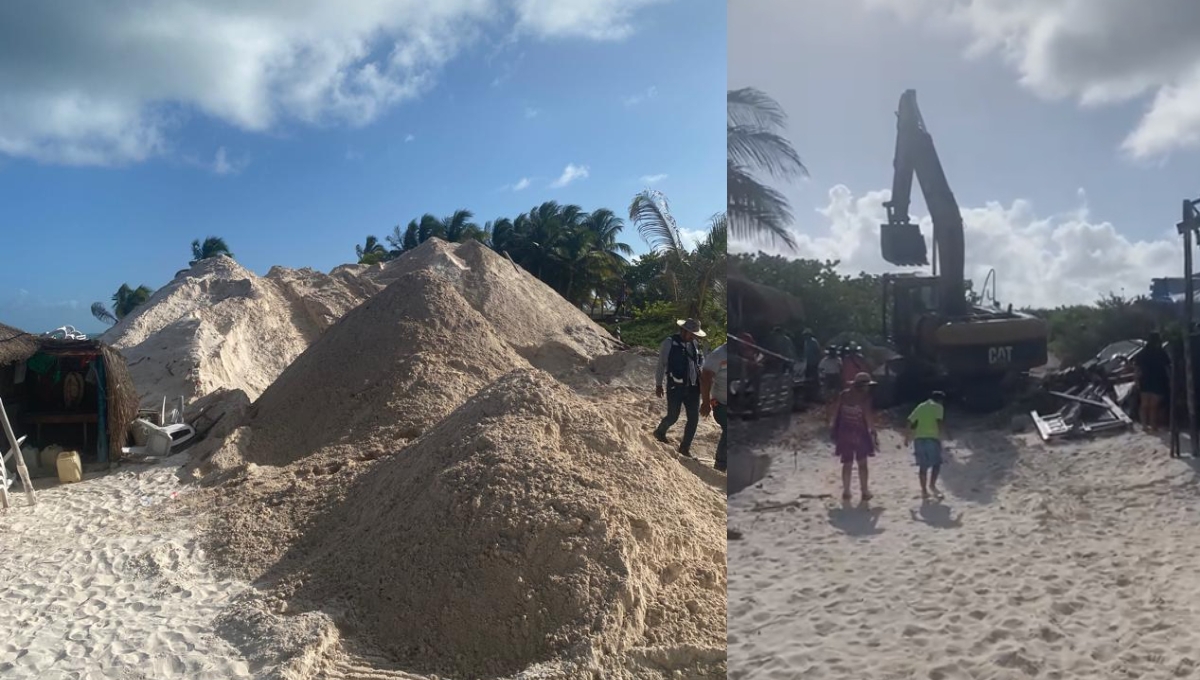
<point x="73" y="393"/>
<point x="757" y="308"/>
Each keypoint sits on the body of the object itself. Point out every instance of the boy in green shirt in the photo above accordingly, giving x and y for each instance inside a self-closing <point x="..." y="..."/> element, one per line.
<point x="927" y="428"/>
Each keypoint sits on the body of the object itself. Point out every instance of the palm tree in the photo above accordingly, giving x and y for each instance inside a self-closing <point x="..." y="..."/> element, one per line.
<point x="428" y="227"/>
<point x="124" y="301"/>
<point x="541" y="230"/>
<point x="402" y="242"/>
<point x="501" y="236"/>
<point x="372" y="252"/>
<point x="581" y="261"/>
<point x="695" y="277"/>
<point x="755" y="143"/>
<point x="606" y="227"/>
<point x="458" y="227"/>
<point x="211" y="247"/>
<point x="396" y="241"/>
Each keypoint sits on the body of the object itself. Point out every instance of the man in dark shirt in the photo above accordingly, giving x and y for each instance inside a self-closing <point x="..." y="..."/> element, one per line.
<point x="1153" y="379"/>
<point x="679" y="362"/>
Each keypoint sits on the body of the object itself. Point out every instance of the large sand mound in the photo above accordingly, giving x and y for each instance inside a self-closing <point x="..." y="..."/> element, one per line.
<point x="453" y="319"/>
<point x="461" y="473"/>
<point x="528" y="526"/>
<point x="218" y="325"/>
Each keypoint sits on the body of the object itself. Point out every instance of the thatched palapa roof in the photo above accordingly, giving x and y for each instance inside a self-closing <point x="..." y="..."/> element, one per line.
<point x="121" y="402"/>
<point x="754" y="305"/>
<point x="16" y="345"/>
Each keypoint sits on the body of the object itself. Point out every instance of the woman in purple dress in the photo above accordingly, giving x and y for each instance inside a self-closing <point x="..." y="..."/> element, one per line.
<point x="852" y="427"/>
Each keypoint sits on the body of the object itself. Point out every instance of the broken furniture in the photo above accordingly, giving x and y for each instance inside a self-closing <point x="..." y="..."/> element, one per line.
<point x="159" y="440"/>
<point x="1087" y="413"/>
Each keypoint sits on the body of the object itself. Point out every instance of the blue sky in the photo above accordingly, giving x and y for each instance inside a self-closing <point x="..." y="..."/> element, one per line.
<point x="268" y="130"/>
<point x="1067" y="130"/>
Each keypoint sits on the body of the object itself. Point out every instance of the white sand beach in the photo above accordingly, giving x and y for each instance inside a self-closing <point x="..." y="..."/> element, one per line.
<point x="1073" y="560"/>
<point x="106" y="579"/>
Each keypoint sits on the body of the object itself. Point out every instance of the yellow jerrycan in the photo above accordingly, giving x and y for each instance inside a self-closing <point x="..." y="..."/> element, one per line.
<point x="69" y="467"/>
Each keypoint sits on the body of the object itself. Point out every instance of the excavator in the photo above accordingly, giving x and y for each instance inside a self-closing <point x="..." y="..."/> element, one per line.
<point x="972" y="349"/>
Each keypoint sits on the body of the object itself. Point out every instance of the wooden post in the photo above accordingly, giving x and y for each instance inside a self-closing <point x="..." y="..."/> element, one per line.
<point x="1187" y="226"/>
<point x="17" y="456"/>
<point x="4" y="501"/>
<point x="1174" y="400"/>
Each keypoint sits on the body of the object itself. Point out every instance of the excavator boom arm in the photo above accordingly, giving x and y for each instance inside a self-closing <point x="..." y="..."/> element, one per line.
<point x="901" y="240"/>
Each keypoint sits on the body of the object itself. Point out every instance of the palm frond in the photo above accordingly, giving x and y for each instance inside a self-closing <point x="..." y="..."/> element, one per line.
<point x="758" y="147"/>
<point x="102" y="314"/>
<point x="756" y="211"/>
<point x="751" y="106"/>
<point x="651" y="213"/>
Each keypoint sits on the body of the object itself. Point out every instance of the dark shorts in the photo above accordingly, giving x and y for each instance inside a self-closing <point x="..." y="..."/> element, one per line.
<point x="1154" y="389"/>
<point x="928" y="453"/>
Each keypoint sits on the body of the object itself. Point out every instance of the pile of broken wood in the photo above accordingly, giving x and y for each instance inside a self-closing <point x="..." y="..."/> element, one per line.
<point x="1091" y="398"/>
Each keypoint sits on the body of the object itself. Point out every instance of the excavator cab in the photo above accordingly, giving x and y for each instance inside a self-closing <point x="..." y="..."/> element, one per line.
<point x="907" y="300"/>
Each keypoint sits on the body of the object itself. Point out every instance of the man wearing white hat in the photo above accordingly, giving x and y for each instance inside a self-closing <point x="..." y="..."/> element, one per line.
<point x="679" y="362"/>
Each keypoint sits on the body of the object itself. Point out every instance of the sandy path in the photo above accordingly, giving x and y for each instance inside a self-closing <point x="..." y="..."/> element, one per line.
<point x="103" y="579"/>
<point x="1072" y="561"/>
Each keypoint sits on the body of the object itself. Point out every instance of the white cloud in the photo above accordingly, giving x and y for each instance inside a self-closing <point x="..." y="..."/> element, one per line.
<point x="352" y="155"/>
<point x="522" y="183"/>
<point x="651" y="179"/>
<point x="569" y="174"/>
<point x="591" y="19"/>
<point x="693" y="237"/>
<point x="531" y="112"/>
<point x="108" y="84"/>
<point x="222" y="165"/>
<point x="408" y="138"/>
<point x="633" y="100"/>
<point x="1039" y="261"/>
<point x="1098" y="52"/>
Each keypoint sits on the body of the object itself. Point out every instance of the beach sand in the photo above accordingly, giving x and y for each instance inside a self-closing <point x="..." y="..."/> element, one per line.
<point x="106" y="579"/>
<point x="1073" y="560"/>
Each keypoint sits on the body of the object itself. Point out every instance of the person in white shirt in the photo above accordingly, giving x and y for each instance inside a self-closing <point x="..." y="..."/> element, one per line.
<point x="714" y="391"/>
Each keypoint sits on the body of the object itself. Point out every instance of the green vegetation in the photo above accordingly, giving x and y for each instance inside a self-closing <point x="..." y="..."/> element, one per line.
<point x="124" y="301"/>
<point x="210" y="247"/>
<point x="580" y="255"/>
<point x="837" y="305"/>
<point x="653" y="322"/>
<point x="1078" y="332"/>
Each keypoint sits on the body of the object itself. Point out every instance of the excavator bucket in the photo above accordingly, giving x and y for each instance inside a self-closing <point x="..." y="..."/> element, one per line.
<point x="903" y="245"/>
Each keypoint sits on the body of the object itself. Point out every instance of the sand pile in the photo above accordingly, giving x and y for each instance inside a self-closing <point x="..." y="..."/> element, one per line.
<point x="461" y="474"/>
<point x="530" y="525"/>
<point x="453" y="319"/>
<point x="218" y="325"/>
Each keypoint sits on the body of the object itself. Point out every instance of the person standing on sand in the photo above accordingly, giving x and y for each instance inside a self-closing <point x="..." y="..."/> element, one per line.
<point x="852" y="428"/>
<point x="714" y="397"/>
<point x="853" y="361"/>
<point x="831" y="372"/>
<point x="812" y="365"/>
<point x="1153" y="379"/>
<point x="679" y="360"/>
<point x="927" y="430"/>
